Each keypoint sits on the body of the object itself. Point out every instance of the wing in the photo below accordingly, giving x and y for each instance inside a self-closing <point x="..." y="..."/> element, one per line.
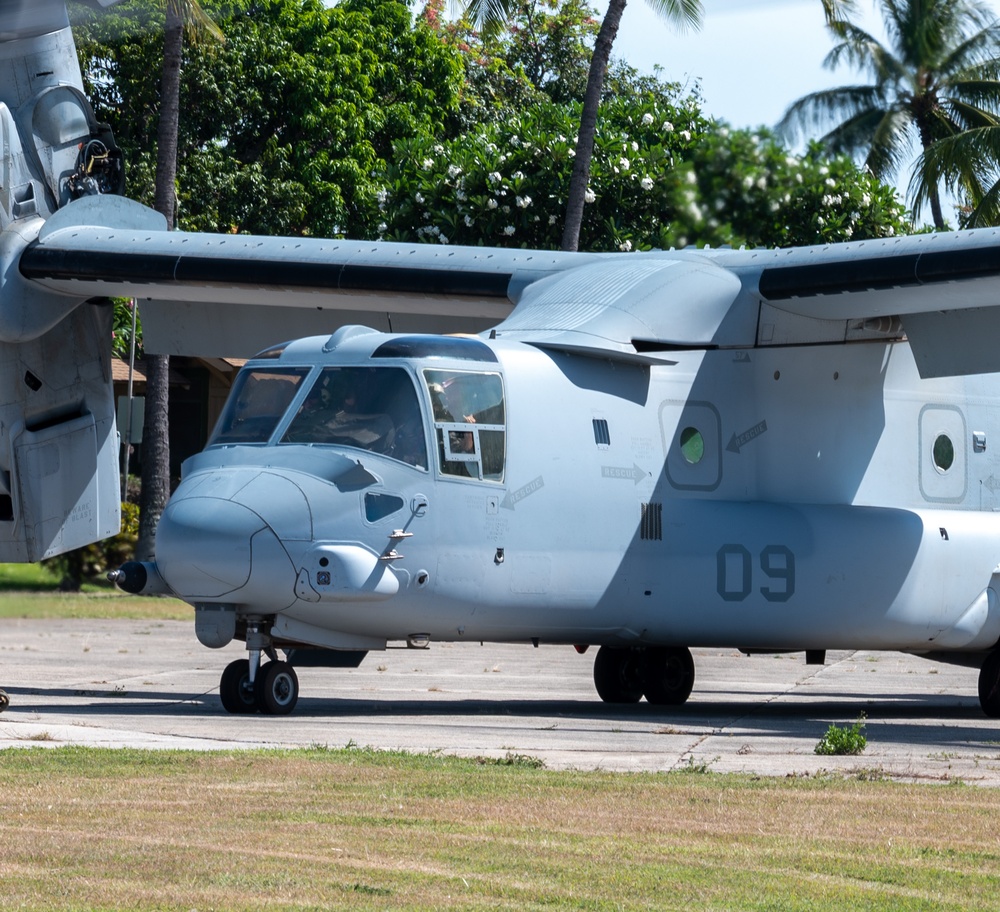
<point x="231" y="295"/>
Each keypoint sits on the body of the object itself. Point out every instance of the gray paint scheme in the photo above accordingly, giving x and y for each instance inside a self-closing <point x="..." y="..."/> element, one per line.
<point x="786" y="449"/>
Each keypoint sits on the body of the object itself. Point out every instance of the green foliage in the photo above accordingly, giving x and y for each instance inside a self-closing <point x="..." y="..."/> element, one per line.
<point x="121" y="336"/>
<point x="284" y="125"/>
<point x="355" y="120"/>
<point x="663" y="175"/>
<point x="92" y="561"/>
<point x="843" y="740"/>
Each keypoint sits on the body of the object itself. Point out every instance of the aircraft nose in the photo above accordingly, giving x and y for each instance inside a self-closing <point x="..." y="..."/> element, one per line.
<point x="206" y="547"/>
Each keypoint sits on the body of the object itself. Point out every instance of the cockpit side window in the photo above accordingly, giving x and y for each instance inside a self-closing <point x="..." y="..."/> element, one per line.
<point x="469" y="422"/>
<point x="371" y="408"/>
<point x="258" y="400"/>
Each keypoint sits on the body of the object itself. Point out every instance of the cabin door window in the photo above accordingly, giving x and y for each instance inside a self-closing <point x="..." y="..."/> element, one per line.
<point x="469" y="422"/>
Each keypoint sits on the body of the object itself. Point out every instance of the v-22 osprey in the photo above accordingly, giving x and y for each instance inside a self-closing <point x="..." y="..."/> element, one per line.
<point x="763" y="449"/>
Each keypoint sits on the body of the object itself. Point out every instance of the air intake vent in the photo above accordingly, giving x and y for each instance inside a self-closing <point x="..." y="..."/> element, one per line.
<point x="602" y="436"/>
<point x="651" y="527"/>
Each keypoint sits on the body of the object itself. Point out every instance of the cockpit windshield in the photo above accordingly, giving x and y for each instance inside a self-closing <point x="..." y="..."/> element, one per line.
<point x="469" y="422"/>
<point x="257" y="402"/>
<point x="371" y="408"/>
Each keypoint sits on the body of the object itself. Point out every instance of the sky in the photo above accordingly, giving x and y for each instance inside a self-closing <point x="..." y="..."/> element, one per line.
<point x="752" y="57"/>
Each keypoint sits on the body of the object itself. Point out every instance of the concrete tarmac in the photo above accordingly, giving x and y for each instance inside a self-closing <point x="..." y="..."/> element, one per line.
<point x="151" y="684"/>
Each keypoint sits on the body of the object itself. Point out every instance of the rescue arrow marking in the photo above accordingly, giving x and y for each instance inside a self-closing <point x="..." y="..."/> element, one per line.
<point x="740" y="440"/>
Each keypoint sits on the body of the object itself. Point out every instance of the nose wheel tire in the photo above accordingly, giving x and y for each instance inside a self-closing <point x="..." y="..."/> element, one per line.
<point x="234" y="688"/>
<point x="4" y="700"/>
<point x="276" y="689"/>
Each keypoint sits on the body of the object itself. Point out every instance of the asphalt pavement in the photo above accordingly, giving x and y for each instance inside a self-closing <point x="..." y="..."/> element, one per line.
<point x="151" y="684"/>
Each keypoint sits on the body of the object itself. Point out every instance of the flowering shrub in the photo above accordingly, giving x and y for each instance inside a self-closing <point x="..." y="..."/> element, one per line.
<point x="662" y="175"/>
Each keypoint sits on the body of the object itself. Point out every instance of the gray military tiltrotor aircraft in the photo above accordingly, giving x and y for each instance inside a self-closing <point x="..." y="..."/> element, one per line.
<point x="770" y="450"/>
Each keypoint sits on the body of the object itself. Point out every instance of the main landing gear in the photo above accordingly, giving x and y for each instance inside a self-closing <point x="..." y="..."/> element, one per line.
<point x="989" y="685"/>
<point x="664" y="675"/>
<point x="249" y="687"/>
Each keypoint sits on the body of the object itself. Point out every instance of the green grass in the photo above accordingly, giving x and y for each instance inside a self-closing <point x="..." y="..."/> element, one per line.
<point x="32" y="591"/>
<point x="331" y="829"/>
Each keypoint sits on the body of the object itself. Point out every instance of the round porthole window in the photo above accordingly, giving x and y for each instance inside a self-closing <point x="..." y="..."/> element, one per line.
<point x="692" y="445"/>
<point x="944" y="452"/>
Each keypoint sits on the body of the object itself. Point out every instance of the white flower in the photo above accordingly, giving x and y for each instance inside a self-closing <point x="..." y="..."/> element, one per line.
<point x="647" y="119"/>
<point x="419" y="198"/>
<point x="494" y="177"/>
<point x="552" y="219"/>
<point x="382" y="226"/>
<point x="508" y="230"/>
<point x="589" y="196"/>
<point x="866" y="200"/>
<point x="624" y="162"/>
<point x="491" y="204"/>
<point x="635" y="146"/>
<point x="505" y="210"/>
<point x="523" y="202"/>
<point x="685" y="135"/>
<point x="647" y="183"/>
<point x="625" y="246"/>
<point x="518" y="175"/>
<point x="690" y="177"/>
<point x="454" y="170"/>
<point x="890" y="231"/>
<point x="820" y="220"/>
<point x="830" y="182"/>
<point x="848" y="231"/>
<point x="468" y="221"/>
<point x="747" y="182"/>
<point x="762" y="183"/>
<point x="571" y="153"/>
<point x="439" y="149"/>
<point x="442" y="239"/>
<point x="668" y="127"/>
<point x="428" y="163"/>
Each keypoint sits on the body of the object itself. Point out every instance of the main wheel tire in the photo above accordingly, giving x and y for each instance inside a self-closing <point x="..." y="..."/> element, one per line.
<point x="618" y="675"/>
<point x="277" y="689"/>
<point x="989" y="685"/>
<point x="233" y="688"/>
<point x="4" y="700"/>
<point x="668" y="675"/>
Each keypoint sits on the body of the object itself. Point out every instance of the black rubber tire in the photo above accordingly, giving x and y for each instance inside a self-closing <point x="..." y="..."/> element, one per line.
<point x="236" y="697"/>
<point x="618" y="675"/>
<point x="4" y="700"/>
<point x="989" y="685"/>
<point x="668" y="675"/>
<point x="277" y="689"/>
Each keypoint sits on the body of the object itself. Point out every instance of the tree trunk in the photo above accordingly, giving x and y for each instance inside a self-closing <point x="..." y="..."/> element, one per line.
<point x="588" y="124"/>
<point x="156" y="429"/>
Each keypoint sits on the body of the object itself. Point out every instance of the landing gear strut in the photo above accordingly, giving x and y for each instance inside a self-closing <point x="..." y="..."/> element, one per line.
<point x="663" y="674"/>
<point x="249" y="687"/>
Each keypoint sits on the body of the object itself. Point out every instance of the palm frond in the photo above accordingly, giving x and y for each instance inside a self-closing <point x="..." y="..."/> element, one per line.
<point x="682" y="13"/>
<point x="820" y="108"/>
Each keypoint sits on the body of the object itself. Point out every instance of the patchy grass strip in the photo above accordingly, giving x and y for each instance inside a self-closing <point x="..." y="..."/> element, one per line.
<point x="317" y="828"/>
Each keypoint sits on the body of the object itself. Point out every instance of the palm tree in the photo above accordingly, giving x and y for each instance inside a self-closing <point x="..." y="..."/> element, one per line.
<point x="491" y="14"/>
<point x="935" y="79"/>
<point x="182" y="16"/>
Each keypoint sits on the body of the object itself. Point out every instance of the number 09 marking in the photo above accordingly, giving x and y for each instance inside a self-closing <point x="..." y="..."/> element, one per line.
<point x="734" y="573"/>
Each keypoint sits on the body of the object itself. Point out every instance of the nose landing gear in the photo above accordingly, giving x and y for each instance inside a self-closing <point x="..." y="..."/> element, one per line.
<point x="274" y="692"/>
<point x="248" y="687"/>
